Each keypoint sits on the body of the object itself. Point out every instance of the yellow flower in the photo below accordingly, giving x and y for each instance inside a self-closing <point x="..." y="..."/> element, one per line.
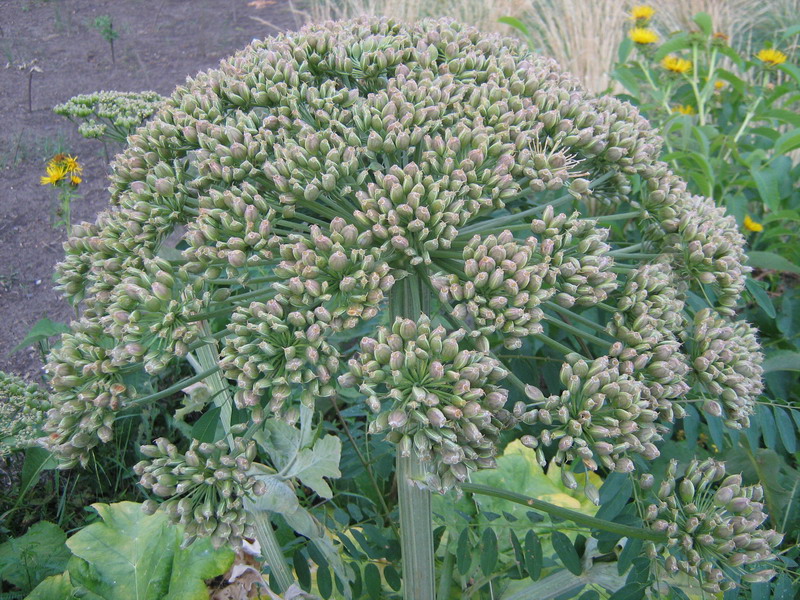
<point x="751" y="225"/>
<point x="642" y="35"/>
<point x="642" y="12"/>
<point x="684" y="109"/>
<point x="72" y="164"/>
<point x="675" y="64"/>
<point x="771" y="57"/>
<point x="55" y="173"/>
<point x="75" y="179"/>
<point x="718" y="85"/>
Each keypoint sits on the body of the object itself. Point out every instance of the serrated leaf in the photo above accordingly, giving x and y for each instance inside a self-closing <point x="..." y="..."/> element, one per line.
<point x="131" y="555"/>
<point x="488" y="551"/>
<point x="533" y="555"/>
<point x="566" y="552"/>
<point x="312" y="465"/>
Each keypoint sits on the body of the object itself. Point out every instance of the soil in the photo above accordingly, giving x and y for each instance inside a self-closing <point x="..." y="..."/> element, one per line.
<point x="160" y="43"/>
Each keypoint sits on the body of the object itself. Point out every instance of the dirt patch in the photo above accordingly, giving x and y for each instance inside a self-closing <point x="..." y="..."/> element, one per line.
<point x="160" y="43"/>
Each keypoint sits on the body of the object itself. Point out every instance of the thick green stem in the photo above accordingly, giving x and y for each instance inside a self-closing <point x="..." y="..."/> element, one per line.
<point x="409" y="299"/>
<point x="565" y="513"/>
<point x="271" y="552"/>
<point x="416" y="529"/>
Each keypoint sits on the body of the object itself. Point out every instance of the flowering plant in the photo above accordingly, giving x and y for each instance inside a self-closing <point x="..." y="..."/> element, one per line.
<point x="64" y="173"/>
<point x="384" y="228"/>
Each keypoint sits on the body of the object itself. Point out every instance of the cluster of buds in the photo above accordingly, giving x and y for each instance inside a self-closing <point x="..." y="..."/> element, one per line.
<point x="205" y="487"/>
<point x="711" y="248"/>
<point x="713" y="526"/>
<point x="114" y="115"/>
<point x="151" y="310"/>
<point x="232" y="234"/>
<point x="646" y="325"/>
<point x="434" y="397"/>
<point x="602" y="414"/>
<point x="340" y="271"/>
<point x="23" y="408"/>
<point x="87" y="380"/>
<point x="503" y="287"/>
<point x="272" y="349"/>
<point x="412" y="213"/>
<point x="576" y="254"/>
<point x="726" y="361"/>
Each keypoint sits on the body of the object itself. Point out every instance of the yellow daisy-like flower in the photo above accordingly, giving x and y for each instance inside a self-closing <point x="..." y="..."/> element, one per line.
<point x="72" y="164"/>
<point x="75" y="179"/>
<point x="684" y="109"/>
<point x="771" y="57"/>
<point x="718" y="85"/>
<point x="55" y="173"/>
<point x="642" y="35"/>
<point x="675" y="64"/>
<point x="642" y="12"/>
<point x="751" y="225"/>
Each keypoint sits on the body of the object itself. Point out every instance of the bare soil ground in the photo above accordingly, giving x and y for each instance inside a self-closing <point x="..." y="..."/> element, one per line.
<point x="161" y="42"/>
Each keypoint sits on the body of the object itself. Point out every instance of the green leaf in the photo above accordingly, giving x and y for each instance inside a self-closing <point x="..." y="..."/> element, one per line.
<point x="566" y="552"/>
<point x="42" y="330"/>
<point x="771" y="262"/>
<point x="56" y="587"/>
<point x="300" y="562"/>
<point x="633" y="548"/>
<point x="205" y="429"/>
<point x="767" y="424"/>
<point x="786" y="428"/>
<point x="29" y="559"/>
<point x="624" y="50"/>
<point x="392" y="577"/>
<point x="787" y="142"/>
<point x="767" y="183"/>
<point x="675" y="43"/>
<point x="131" y="553"/>
<point x="703" y="21"/>
<point x="631" y="591"/>
<point x="463" y="552"/>
<point x="36" y="460"/>
<point x="193" y="565"/>
<point x="372" y="580"/>
<point x="761" y="297"/>
<point x="533" y="555"/>
<point x="516" y="24"/>
<point x="488" y="551"/>
<point x="312" y="465"/>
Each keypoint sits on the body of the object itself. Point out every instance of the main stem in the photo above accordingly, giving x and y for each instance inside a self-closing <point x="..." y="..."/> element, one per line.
<point x="271" y="551"/>
<point x="410" y="298"/>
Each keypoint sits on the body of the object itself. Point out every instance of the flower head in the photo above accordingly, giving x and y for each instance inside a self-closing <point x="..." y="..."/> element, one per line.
<point x="713" y="526"/>
<point x="643" y="35"/>
<point x="675" y="64"/>
<point x="752" y="225"/>
<point x="56" y="172"/>
<point x="684" y="109"/>
<point x="771" y="57"/>
<point x="642" y="12"/>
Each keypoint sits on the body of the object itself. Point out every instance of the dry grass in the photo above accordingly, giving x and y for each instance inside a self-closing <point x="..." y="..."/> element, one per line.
<point x="583" y="35"/>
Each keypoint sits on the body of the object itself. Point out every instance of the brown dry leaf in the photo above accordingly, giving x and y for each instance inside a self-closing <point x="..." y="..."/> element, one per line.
<point x="260" y="3"/>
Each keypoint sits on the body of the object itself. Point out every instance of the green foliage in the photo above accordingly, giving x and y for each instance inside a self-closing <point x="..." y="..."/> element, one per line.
<point x="128" y="554"/>
<point x="26" y="561"/>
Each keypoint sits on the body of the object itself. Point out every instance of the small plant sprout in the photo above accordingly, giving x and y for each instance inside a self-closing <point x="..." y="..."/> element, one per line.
<point x="105" y="27"/>
<point x="63" y="172"/>
<point x="391" y="218"/>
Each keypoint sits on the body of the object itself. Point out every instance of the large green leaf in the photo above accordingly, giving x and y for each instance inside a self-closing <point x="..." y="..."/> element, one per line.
<point x="27" y="560"/>
<point x="129" y="555"/>
<point x="771" y="261"/>
<point x="55" y="587"/>
<point x="193" y="565"/>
